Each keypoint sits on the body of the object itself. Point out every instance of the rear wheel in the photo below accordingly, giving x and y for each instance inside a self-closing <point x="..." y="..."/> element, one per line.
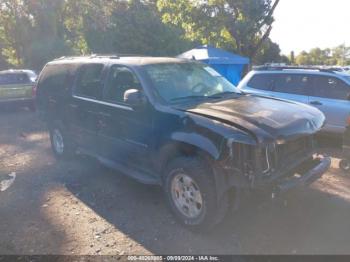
<point x="61" y="145"/>
<point x="190" y="190"/>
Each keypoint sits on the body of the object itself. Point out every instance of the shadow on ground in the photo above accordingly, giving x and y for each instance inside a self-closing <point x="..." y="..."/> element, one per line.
<point x="80" y="207"/>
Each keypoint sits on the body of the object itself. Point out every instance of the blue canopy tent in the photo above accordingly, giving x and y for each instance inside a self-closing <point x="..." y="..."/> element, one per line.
<point x="227" y="64"/>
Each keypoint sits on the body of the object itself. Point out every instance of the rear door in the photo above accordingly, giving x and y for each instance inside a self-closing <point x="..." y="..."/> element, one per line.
<point x="281" y="85"/>
<point x="15" y="86"/>
<point x="84" y="105"/>
<point x="292" y="86"/>
<point x="53" y="91"/>
<point x="330" y="95"/>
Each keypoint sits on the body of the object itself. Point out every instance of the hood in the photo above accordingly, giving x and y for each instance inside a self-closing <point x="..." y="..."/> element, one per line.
<point x="266" y="119"/>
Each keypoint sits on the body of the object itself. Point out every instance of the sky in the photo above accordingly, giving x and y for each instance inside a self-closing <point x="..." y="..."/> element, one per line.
<point x="304" y="24"/>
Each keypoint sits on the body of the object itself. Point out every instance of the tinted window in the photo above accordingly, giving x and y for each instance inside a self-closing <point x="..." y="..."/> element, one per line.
<point x="14" y="78"/>
<point x="262" y="82"/>
<point x="293" y="84"/>
<point x="55" y="78"/>
<point x="331" y="87"/>
<point x="89" y="81"/>
<point x="120" y="79"/>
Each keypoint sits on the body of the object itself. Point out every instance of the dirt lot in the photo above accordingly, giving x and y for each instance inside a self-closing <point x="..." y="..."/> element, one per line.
<point x="80" y="207"/>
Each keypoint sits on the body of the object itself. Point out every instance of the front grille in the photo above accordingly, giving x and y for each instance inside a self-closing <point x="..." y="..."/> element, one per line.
<point x="293" y="149"/>
<point x="273" y="158"/>
<point x="244" y="158"/>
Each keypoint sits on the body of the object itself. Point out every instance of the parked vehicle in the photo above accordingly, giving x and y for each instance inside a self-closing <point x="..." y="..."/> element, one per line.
<point x="181" y="125"/>
<point x="344" y="163"/>
<point x="17" y="87"/>
<point x="324" y="89"/>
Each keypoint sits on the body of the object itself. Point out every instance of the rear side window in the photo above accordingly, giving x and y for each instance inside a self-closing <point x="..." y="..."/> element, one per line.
<point x="262" y="82"/>
<point x="293" y="84"/>
<point x="331" y="87"/>
<point x="55" y="78"/>
<point x="89" y="82"/>
<point x="14" y="78"/>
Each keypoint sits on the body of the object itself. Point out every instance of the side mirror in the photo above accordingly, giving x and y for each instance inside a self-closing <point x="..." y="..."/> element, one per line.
<point x="134" y="98"/>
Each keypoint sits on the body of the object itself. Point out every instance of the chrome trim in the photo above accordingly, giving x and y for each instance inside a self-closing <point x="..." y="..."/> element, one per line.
<point x="104" y="103"/>
<point x="136" y="143"/>
<point x="25" y="99"/>
<point x="267" y="160"/>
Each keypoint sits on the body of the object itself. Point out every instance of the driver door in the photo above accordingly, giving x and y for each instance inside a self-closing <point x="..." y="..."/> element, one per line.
<point x="124" y="133"/>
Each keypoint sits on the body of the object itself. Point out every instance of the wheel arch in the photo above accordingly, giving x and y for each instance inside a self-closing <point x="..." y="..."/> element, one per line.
<point x="187" y="144"/>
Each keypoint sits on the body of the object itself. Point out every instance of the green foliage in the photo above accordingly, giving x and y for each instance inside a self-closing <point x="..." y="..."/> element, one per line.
<point x="339" y="55"/>
<point x="239" y="25"/>
<point x="270" y="52"/>
<point x="33" y="32"/>
<point x="134" y="27"/>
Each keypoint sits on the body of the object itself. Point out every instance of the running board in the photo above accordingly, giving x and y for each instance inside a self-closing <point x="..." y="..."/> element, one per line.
<point x="140" y="176"/>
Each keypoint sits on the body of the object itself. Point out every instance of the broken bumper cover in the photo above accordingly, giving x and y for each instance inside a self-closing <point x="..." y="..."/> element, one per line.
<point x="317" y="169"/>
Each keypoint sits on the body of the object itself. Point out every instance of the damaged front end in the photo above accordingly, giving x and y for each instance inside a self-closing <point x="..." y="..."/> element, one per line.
<point x="278" y="166"/>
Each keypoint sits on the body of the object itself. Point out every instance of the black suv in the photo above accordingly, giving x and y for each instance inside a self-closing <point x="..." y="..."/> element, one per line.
<point x="181" y="125"/>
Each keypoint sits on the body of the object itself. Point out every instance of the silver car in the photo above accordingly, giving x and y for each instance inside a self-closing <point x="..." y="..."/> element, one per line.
<point x="325" y="89"/>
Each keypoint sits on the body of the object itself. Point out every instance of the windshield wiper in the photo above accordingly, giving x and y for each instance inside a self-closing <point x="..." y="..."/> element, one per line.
<point x="223" y="94"/>
<point x="193" y="97"/>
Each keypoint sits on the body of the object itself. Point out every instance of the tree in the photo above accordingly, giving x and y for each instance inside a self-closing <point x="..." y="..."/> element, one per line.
<point x="239" y="25"/>
<point x="269" y="53"/>
<point x="292" y="57"/>
<point x="33" y="31"/>
<point x="15" y="24"/>
<point x="303" y="58"/>
<point x="135" y="27"/>
<point x="339" y="55"/>
<point x="342" y="55"/>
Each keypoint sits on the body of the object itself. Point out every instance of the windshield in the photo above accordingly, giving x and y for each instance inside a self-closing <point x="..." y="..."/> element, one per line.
<point x="176" y="81"/>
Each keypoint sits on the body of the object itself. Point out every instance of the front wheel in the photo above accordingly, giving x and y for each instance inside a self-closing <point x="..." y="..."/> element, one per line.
<point x="60" y="143"/>
<point x="190" y="190"/>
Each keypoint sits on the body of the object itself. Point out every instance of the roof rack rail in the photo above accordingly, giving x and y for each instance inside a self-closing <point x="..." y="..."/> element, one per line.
<point x="275" y="68"/>
<point x="111" y="56"/>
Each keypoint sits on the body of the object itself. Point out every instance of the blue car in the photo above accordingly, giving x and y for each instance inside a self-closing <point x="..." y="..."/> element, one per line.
<point x="325" y="89"/>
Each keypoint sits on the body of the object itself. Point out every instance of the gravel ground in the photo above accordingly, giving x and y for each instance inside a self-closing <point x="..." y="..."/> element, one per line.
<point x="80" y="207"/>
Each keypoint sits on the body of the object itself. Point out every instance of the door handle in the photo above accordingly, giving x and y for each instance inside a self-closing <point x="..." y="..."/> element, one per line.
<point x="73" y="106"/>
<point x="316" y="103"/>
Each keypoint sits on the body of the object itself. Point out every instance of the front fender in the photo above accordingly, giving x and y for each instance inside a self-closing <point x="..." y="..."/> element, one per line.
<point x="199" y="141"/>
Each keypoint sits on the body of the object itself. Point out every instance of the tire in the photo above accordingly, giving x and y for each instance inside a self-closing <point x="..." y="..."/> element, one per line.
<point x="200" y="209"/>
<point x="61" y="145"/>
<point x="344" y="165"/>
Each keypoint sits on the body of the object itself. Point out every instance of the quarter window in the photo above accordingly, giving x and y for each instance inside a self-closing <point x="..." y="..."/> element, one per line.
<point x="89" y="82"/>
<point x="331" y="87"/>
<point x="56" y="78"/>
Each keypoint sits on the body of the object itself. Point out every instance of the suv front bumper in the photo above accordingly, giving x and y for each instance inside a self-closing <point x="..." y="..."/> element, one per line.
<point x="306" y="175"/>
